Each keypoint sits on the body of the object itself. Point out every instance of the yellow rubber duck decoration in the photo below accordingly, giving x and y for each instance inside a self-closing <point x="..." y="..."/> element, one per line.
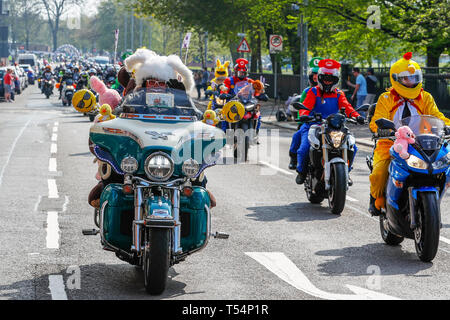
<point x="210" y="117"/>
<point x="106" y="113"/>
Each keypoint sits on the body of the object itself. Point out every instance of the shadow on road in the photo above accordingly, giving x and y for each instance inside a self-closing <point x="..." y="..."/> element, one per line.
<point x="292" y="212"/>
<point x="354" y="261"/>
<point x="98" y="282"/>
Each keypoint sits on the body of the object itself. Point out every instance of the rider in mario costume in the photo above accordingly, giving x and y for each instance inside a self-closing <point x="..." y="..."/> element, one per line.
<point x="325" y="99"/>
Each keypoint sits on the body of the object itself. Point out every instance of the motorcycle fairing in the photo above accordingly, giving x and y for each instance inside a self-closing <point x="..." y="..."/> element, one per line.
<point x="105" y="156"/>
<point x="398" y="174"/>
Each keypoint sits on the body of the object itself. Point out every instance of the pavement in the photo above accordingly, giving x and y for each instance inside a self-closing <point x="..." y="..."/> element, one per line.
<point x="281" y="247"/>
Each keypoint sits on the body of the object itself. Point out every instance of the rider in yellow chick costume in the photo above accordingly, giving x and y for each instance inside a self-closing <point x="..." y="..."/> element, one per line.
<point x="405" y="98"/>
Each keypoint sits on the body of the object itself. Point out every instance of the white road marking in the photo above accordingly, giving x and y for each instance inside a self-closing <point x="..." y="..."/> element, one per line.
<point x="447" y="241"/>
<point x="286" y="270"/>
<point x="56" y="123"/>
<point x="275" y="167"/>
<point x="55" y="129"/>
<point x="352" y="199"/>
<point x="52" y="189"/>
<point x="66" y="202"/>
<point x="12" y="149"/>
<point x="56" y="286"/>
<point x="53" y="230"/>
<point x="52" y="165"/>
<point x="36" y="206"/>
<point x="54" y="148"/>
<point x="54" y="137"/>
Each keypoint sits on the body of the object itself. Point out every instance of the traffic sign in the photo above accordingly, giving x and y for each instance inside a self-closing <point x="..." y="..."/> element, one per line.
<point x="275" y="43"/>
<point x="243" y="46"/>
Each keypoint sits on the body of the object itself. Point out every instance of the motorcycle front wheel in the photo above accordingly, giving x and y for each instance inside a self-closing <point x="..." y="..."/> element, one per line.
<point x="338" y="188"/>
<point x="156" y="260"/>
<point x="426" y="235"/>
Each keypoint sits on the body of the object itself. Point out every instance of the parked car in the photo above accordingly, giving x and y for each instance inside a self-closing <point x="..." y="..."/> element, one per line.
<point x="30" y="73"/>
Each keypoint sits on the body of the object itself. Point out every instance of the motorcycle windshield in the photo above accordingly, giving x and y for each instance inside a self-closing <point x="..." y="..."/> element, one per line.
<point x="69" y="82"/>
<point x="428" y="131"/>
<point x="160" y="101"/>
<point x="424" y="125"/>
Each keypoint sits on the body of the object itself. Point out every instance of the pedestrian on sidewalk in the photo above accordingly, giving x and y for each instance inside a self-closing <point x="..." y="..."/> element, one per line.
<point x="198" y="82"/>
<point x="371" y="81"/>
<point x="360" y="87"/>
<point x="7" y="84"/>
<point x="205" y="80"/>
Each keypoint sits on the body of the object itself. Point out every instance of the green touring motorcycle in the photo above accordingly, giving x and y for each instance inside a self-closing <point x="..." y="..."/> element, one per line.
<point x="154" y="208"/>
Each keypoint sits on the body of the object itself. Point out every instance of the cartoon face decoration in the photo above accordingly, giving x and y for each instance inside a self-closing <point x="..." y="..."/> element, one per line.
<point x="84" y="101"/>
<point x="233" y="111"/>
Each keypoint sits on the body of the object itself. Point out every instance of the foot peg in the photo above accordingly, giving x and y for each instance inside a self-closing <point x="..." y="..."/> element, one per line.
<point x="90" y="232"/>
<point x="220" y="235"/>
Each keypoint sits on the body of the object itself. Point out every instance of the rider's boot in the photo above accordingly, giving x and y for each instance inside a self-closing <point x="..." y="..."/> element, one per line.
<point x="373" y="210"/>
<point x="293" y="162"/>
<point x="300" y="179"/>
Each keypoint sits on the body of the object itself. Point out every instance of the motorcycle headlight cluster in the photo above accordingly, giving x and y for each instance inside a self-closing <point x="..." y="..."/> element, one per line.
<point x="416" y="163"/>
<point x="190" y="168"/>
<point x="336" y="138"/>
<point x="129" y="165"/>
<point x="159" y="166"/>
<point x="442" y="163"/>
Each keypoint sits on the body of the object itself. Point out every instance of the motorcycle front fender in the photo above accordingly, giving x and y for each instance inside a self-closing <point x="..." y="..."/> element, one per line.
<point x="159" y="213"/>
<point x="327" y="170"/>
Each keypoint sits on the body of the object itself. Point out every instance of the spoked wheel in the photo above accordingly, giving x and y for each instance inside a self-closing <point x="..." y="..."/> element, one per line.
<point x="156" y="260"/>
<point x="426" y="235"/>
<point x="388" y="237"/>
<point x="338" y="188"/>
<point x="313" y="198"/>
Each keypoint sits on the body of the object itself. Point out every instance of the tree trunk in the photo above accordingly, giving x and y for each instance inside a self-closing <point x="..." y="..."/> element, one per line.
<point x="258" y="48"/>
<point x="202" y="56"/>
<point x="234" y="53"/>
<point x="433" y="54"/>
<point x="254" y="55"/>
<point x="294" y="45"/>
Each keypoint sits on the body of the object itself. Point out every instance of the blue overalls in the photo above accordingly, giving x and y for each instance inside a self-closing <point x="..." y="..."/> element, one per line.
<point x="329" y="106"/>
<point x="297" y="137"/>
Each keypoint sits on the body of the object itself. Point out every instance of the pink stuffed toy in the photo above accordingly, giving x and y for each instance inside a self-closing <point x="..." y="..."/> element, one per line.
<point x="106" y="95"/>
<point x="405" y="137"/>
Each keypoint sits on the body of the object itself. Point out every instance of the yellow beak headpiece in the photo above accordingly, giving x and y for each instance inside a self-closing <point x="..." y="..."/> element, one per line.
<point x="406" y="77"/>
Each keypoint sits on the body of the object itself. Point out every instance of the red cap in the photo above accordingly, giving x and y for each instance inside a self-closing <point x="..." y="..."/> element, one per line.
<point x="241" y="64"/>
<point x="329" y="64"/>
<point x="407" y="56"/>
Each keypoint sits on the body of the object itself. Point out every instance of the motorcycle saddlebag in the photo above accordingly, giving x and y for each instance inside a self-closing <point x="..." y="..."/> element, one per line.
<point x="118" y="216"/>
<point x="194" y="219"/>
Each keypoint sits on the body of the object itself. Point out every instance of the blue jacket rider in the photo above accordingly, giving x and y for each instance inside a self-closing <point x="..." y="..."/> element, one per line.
<point x="325" y="99"/>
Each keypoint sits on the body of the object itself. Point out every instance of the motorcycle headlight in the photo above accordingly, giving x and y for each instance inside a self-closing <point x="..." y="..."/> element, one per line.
<point x="442" y="163"/>
<point x="159" y="166"/>
<point x="417" y="163"/>
<point x="190" y="168"/>
<point x="336" y="138"/>
<point x="129" y="165"/>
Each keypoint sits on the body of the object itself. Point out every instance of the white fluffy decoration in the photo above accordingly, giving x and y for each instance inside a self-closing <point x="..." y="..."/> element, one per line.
<point x="148" y="64"/>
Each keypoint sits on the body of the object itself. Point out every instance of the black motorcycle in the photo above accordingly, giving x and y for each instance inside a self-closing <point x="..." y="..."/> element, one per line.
<point x="47" y="87"/>
<point x="332" y="148"/>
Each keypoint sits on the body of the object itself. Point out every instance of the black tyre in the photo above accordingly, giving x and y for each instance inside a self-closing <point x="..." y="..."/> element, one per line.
<point x="245" y="126"/>
<point x="426" y="235"/>
<point x="157" y="260"/>
<point x="387" y="236"/>
<point x="313" y="198"/>
<point x="91" y="117"/>
<point x="338" y="190"/>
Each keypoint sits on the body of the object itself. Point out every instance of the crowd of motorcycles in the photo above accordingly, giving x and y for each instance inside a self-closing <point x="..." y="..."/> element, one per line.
<point x="68" y="78"/>
<point x="154" y="207"/>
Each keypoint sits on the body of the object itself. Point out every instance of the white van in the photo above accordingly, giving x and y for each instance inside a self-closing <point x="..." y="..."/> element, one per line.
<point x="28" y="58"/>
